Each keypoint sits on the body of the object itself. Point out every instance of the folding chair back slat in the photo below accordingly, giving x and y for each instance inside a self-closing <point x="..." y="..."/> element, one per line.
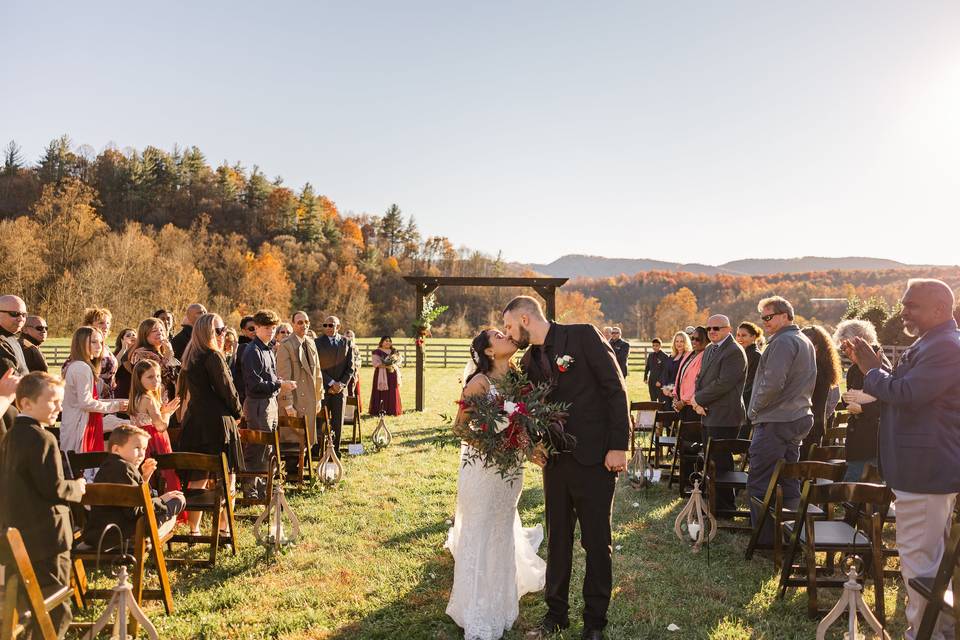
<point x="14" y="553"/>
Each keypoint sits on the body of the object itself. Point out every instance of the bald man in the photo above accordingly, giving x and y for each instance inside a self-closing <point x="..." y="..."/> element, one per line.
<point x="919" y="439"/>
<point x="180" y="341"/>
<point x="719" y="397"/>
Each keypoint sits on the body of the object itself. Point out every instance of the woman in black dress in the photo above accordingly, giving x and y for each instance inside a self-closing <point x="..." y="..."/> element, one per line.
<point x="212" y="406"/>
<point x="750" y="337"/>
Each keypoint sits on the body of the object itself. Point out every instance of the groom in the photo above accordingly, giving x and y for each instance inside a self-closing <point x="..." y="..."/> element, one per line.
<point x="578" y="486"/>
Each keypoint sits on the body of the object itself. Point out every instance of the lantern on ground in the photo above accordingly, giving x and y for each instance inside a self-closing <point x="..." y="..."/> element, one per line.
<point x="331" y="469"/>
<point x="851" y="601"/>
<point x="701" y="525"/>
<point x="381" y="435"/>
<point x="638" y="473"/>
<point x="273" y="516"/>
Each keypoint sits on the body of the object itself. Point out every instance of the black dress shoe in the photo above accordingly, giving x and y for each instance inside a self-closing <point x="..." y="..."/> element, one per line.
<point x="592" y="634"/>
<point x="547" y="628"/>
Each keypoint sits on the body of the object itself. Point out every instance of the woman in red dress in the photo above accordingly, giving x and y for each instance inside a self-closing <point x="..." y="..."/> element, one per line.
<point x="385" y="390"/>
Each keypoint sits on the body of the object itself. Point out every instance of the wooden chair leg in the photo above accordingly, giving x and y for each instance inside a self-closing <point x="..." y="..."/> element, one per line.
<point x="163" y="576"/>
<point x="9" y="621"/>
<point x="79" y="581"/>
<point x="810" y="555"/>
<point x="777" y="542"/>
<point x="139" y="571"/>
<point x="787" y="567"/>
<point x="214" y="534"/>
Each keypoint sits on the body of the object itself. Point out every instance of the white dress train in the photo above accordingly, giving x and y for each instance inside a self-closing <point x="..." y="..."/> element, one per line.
<point x="495" y="558"/>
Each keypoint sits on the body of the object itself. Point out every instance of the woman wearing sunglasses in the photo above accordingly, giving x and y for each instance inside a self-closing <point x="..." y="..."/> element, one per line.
<point x="685" y="385"/>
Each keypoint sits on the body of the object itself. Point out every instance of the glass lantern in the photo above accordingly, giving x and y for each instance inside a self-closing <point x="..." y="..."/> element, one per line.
<point x="637" y="471"/>
<point x="331" y="469"/>
<point x="381" y="436"/>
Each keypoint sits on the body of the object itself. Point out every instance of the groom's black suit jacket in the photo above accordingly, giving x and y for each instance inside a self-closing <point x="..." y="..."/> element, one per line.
<point x="593" y="384"/>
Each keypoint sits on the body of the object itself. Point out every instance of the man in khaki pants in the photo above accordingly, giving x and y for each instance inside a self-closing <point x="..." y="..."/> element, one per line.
<point x="297" y="360"/>
<point x="919" y="442"/>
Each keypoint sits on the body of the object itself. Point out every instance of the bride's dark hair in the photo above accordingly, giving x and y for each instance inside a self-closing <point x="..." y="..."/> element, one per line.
<point x="478" y="353"/>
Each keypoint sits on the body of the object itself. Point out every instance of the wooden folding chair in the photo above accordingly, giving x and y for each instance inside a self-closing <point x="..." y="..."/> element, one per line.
<point x="686" y="454"/>
<point x="835" y="437"/>
<point x="268" y="472"/>
<point x="355" y="422"/>
<point x="937" y="591"/>
<point x="860" y="534"/>
<point x="663" y="440"/>
<point x="725" y="480"/>
<point x="213" y="501"/>
<point x="643" y="417"/>
<point x="22" y="580"/>
<point x="295" y="446"/>
<point x="772" y="505"/>
<point x="835" y="453"/>
<point x="147" y="542"/>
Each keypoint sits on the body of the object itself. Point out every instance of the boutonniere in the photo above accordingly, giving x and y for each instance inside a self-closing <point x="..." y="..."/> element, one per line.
<point x="564" y="363"/>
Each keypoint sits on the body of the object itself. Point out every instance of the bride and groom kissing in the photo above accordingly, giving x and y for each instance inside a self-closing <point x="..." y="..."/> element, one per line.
<point x="496" y="559"/>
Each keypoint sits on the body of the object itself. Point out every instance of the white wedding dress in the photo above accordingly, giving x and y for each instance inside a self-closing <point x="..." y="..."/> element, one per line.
<point x="495" y="558"/>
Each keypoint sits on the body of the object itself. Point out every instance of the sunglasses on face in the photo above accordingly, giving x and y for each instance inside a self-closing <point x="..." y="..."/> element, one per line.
<point x="220" y="330"/>
<point x="769" y="316"/>
<point x="697" y="340"/>
<point x="41" y="328"/>
<point x="15" y="314"/>
<point x="250" y="329"/>
<point x="715" y="328"/>
<point x="328" y="325"/>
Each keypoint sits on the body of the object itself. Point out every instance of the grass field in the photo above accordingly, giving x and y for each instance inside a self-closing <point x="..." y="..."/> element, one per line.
<point x="370" y="562"/>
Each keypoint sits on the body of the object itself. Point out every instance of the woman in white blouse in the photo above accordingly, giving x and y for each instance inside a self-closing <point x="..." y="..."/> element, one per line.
<point x="80" y="397"/>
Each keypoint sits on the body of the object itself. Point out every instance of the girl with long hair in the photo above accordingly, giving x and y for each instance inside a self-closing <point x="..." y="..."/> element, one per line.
<point x="149" y="412"/>
<point x="81" y="426"/>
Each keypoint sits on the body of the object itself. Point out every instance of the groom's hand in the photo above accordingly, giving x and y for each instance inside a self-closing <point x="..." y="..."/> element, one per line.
<point x="616" y="461"/>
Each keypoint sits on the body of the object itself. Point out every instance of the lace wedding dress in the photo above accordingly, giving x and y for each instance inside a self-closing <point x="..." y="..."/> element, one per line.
<point x="495" y="558"/>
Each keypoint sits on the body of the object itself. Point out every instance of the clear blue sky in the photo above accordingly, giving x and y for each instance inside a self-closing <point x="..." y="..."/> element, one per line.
<point x="537" y="128"/>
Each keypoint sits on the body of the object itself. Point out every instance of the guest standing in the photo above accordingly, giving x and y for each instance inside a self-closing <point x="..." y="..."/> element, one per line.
<point x="719" y="394"/>
<point x="180" y="341"/>
<point x="864" y="424"/>
<point x="385" y="388"/>
<point x="621" y="348"/>
<point x="33" y="334"/>
<point x="829" y="372"/>
<point x="101" y="319"/>
<point x="297" y="360"/>
<point x="750" y="337"/>
<point x="283" y="330"/>
<point x="230" y="345"/>
<point x="920" y="434"/>
<point x="780" y="405"/>
<point x="657" y="362"/>
<point x="247" y="334"/>
<point x="337" y="365"/>
<point x="81" y="423"/>
<point x="211" y="404"/>
<point x="262" y="385"/>
<point x="353" y="388"/>
<point x="13" y="315"/>
<point x="685" y="385"/>
<point x="126" y="341"/>
<point x="681" y="348"/>
<point x="152" y="343"/>
<point x="166" y="318"/>
<point x="149" y="412"/>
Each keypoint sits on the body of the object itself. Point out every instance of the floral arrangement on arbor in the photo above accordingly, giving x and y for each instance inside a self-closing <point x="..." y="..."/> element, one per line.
<point x="503" y="429"/>
<point x="431" y="311"/>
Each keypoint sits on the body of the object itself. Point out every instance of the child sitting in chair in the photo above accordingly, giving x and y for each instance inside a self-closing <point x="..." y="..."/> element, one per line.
<point x="126" y="465"/>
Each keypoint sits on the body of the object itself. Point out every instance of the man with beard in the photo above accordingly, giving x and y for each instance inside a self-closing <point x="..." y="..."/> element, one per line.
<point x="32" y="335"/>
<point x="578" y="487"/>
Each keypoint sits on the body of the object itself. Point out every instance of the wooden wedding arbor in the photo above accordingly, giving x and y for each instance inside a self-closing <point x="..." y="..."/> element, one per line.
<point x="425" y="285"/>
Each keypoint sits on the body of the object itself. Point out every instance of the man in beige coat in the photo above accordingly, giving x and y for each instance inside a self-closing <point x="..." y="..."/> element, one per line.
<point x="297" y="360"/>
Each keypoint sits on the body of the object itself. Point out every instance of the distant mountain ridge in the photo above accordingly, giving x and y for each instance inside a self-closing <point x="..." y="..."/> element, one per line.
<point x="583" y="266"/>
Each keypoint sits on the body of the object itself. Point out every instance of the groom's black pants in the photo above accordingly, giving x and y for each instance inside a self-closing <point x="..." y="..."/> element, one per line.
<point x="575" y="492"/>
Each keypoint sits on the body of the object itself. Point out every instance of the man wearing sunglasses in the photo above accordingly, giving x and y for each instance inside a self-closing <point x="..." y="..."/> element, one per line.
<point x="781" y="406"/>
<point x="13" y="314"/>
<point x="248" y="331"/>
<point x="336" y="364"/>
<point x="32" y="335"/>
<point x="719" y="394"/>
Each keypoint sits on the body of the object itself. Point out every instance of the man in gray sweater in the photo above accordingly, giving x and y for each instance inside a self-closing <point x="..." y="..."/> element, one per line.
<point x="780" y="405"/>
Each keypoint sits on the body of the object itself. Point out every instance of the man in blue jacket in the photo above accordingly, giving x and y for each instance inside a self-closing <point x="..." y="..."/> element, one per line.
<point x="920" y="433"/>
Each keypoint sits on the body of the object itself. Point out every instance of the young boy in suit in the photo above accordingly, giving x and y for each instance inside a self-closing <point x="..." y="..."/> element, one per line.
<point x="126" y="465"/>
<point x="34" y="492"/>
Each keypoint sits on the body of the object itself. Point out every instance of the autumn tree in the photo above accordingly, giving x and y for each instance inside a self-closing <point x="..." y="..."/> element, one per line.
<point x="676" y="311"/>
<point x="574" y="307"/>
<point x="70" y="221"/>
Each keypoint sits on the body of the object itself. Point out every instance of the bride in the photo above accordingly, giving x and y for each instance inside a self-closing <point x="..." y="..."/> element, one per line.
<point x="495" y="558"/>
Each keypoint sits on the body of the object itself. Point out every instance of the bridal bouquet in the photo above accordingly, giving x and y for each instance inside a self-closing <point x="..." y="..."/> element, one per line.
<point x="393" y="361"/>
<point x="504" y="428"/>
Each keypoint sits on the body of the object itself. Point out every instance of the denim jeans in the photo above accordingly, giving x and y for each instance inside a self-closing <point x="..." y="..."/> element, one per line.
<point x="772" y="442"/>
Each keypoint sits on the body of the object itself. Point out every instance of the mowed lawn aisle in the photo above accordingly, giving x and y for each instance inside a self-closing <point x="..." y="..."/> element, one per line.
<point x="370" y="562"/>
